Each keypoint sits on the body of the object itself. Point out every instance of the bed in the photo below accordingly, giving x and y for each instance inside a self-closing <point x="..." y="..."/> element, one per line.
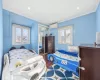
<point x="23" y="64"/>
<point x="67" y="60"/>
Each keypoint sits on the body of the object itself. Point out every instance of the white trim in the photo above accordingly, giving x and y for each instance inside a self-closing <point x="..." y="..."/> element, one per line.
<point x="14" y="26"/>
<point x="88" y="12"/>
<point x="97" y="4"/>
<point x="73" y="17"/>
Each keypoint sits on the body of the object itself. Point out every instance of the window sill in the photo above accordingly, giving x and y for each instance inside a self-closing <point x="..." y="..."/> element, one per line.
<point x="21" y="44"/>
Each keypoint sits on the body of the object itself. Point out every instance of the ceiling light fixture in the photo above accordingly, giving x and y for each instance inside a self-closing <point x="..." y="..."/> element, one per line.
<point x="29" y="8"/>
<point x="78" y="8"/>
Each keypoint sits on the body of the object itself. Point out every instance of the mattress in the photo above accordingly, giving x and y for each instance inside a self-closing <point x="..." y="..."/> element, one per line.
<point x="66" y="60"/>
<point x="21" y="57"/>
<point x="22" y="64"/>
<point x="65" y="56"/>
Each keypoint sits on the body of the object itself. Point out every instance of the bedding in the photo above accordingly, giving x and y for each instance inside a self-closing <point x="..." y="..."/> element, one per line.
<point x="67" y="60"/>
<point x="23" y="63"/>
<point x="64" y="56"/>
<point x="18" y="57"/>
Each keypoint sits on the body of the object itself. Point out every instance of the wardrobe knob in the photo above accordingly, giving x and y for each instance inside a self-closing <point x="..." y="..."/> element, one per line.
<point x="82" y="68"/>
<point x="79" y="58"/>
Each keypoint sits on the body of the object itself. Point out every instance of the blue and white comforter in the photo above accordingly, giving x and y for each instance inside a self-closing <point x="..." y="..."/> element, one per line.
<point x="20" y="57"/>
<point x="65" y="56"/>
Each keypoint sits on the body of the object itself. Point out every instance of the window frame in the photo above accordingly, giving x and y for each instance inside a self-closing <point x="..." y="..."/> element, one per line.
<point x="59" y="37"/>
<point x="14" y="26"/>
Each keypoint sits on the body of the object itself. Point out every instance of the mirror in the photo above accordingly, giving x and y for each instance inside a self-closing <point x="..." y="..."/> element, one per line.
<point x="42" y="31"/>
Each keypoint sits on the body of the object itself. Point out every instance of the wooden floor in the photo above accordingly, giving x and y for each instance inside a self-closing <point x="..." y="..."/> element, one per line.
<point x="48" y="63"/>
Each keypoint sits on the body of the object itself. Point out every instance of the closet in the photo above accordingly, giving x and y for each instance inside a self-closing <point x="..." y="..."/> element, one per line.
<point x="48" y="43"/>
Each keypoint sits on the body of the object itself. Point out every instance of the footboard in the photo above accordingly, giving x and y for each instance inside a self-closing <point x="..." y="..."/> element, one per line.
<point x="33" y="70"/>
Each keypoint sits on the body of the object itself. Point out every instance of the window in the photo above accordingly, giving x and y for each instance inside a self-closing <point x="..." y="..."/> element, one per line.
<point x="65" y="35"/>
<point x="20" y="35"/>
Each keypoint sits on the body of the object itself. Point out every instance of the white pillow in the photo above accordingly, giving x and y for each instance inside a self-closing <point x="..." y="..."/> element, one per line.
<point x="73" y="48"/>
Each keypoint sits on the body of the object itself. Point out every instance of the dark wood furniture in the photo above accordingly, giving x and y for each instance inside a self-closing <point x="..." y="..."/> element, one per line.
<point x="48" y="43"/>
<point x="90" y="60"/>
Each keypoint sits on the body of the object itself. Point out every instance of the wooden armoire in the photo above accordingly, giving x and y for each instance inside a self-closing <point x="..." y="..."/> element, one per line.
<point x="48" y="44"/>
<point x="90" y="60"/>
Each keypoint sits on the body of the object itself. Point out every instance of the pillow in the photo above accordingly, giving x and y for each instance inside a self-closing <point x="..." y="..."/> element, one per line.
<point x="22" y="47"/>
<point x="73" y="48"/>
<point x="12" y="48"/>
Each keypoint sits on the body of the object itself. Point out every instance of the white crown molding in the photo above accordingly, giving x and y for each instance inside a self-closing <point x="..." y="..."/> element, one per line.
<point x="45" y="16"/>
<point x="76" y="16"/>
<point x="97" y="4"/>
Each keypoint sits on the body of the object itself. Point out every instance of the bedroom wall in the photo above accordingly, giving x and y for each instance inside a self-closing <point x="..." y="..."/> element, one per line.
<point x="1" y="37"/>
<point x="8" y="19"/>
<point x="84" y="30"/>
<point x="98" y="18"/>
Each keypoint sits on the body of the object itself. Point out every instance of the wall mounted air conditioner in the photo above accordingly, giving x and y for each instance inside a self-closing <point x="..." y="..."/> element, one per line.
<point x="55" y="25"/>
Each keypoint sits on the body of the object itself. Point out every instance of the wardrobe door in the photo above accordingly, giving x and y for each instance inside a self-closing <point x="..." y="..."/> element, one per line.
<point x="51" y="47"/>
<point x="46" y="44"/>
<point x="86" y="55"/>
<point x="96" y="63"/>
<point x="43" y="43"/>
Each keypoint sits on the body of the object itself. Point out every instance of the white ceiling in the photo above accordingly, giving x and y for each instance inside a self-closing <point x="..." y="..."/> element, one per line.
<point x="50" y="11"/>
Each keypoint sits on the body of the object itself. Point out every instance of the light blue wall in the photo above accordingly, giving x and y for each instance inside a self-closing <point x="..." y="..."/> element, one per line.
<point x="8" y="19"/>
<point x="98" y="18"/>
<point x="84" y="30"/>
<point x="34" y="37"/>
<point x="1" y="37"/>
